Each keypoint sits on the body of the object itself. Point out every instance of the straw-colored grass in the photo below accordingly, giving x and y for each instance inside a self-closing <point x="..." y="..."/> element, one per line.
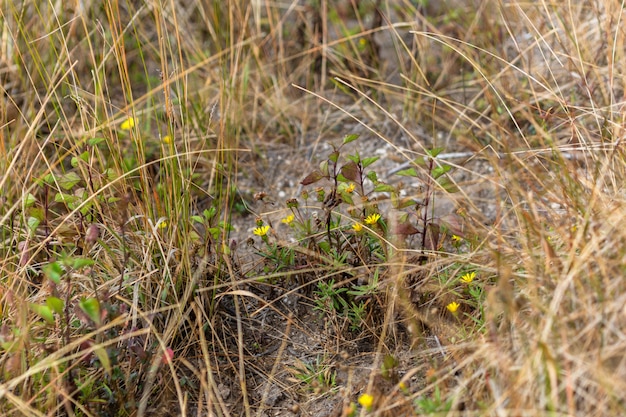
<point x="137" y="137"/>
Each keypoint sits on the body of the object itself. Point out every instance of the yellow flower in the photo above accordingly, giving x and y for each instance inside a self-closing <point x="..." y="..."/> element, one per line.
<point x="366" y="401"/>
<point x="372" y="218"/>
<point x="289" y="219"/>
<point x="357" y="227"/>
<point x="468" y="278"/>
<point x="128" y="124"/>
<point x="167" y="139"/>
<point x="453" y="307"/>
<point x="350" y="188"/>
<point x="261" y="230"/>
<point x="162" y="225"/>
<point x="456" y="238"/>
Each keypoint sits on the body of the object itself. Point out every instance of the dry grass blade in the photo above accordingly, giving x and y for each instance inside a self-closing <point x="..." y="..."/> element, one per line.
<point x="312" y="208"/>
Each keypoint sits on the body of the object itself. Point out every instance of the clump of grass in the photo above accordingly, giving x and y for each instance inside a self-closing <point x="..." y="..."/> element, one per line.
<point x="122" y="141"/>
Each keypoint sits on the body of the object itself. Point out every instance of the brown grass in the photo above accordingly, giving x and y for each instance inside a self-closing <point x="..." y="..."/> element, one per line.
<point x="529" y="94"/>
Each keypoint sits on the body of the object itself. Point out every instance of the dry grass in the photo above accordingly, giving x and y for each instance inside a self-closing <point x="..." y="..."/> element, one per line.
<point x="123" y="292"/>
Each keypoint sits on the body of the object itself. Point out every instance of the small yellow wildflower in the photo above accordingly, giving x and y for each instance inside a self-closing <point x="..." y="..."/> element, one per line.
<point x="372" y="218"/>
<point x="162" y="225"/>
<point x="357" y="227"/>
<point x="289" y="219"/>
<point x="261" y="230"/>
<point x="468" y="278"/>
<point x="453" y="307"/>
<point x="456" y="238"/>
<point x="128" y="124"/>
<point x="167" y="139"/>
<point x="366" y="401"/>
<point x="350" y="188"/>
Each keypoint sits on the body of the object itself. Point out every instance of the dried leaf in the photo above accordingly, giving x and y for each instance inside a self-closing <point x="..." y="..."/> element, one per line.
<point x="350" y="171"/>
<point x="312" y="178"/>
<point x="453" y="223"/>
<point x="432" y="237"/>
<point x="406" y="229"/>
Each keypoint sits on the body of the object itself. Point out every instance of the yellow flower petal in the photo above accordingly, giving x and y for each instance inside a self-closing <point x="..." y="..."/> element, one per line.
<point x="372" y="218"/>
<point x="366" y="401"/>
<point x="261" y="230"/>
<point x="289" y="219"/>
<point x="453" y="307"/>
<point x="357" y="227"/>
<point x="468" y="278"/>
<point x="167" y="139"/>
<point x="128" y="124"/>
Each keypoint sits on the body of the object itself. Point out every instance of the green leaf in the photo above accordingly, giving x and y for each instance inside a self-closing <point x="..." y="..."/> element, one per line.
<point x="49" y="179"/>
<point x="324" y="246"/>
<point x="209" y="213"/>
<point x="440" y="170"/>
<point x="214" y="231"/>
<point x="29" y="200"/>
<point x="334" y="156"/>
<point x="197" y="219"/>
<point x="350" y="171"/>
<point x="312" y="178"/>
<point x="33" y="224"/>
<point x="404" y="203"/>
<point x="69" y="180"/>
<point x="103" y="357"/>
<point x="226" y="226"/>
<point x="65" y="198"/>
<point x="382" y="187"/>
<point x="55" y="304"/>
<point x="434" y="152"/>
<point x="79" y="263"/>
<point x="420" y="162"/>
<point x="409" y="172"/>
<point x="109" y="173"/>
<point x="447" y="184"/>
<point x="324" y="168"/>
<point x="372" y="176"/>
<point x="95" y="141"/>
<point x="83" y="156"/>
<point x="347" y="198"/>
<point x="42" y="311"/>
<point x="350" y="138"/>
<point x="91" y="307"/>
<point x="86" y="208"/>
<point x="53" y="272"/>
<point x="369" y="161"/>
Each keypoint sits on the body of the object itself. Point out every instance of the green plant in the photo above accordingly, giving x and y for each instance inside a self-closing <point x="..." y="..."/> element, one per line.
<point x="434" y="404"/>
<point x="317" y="376"/>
